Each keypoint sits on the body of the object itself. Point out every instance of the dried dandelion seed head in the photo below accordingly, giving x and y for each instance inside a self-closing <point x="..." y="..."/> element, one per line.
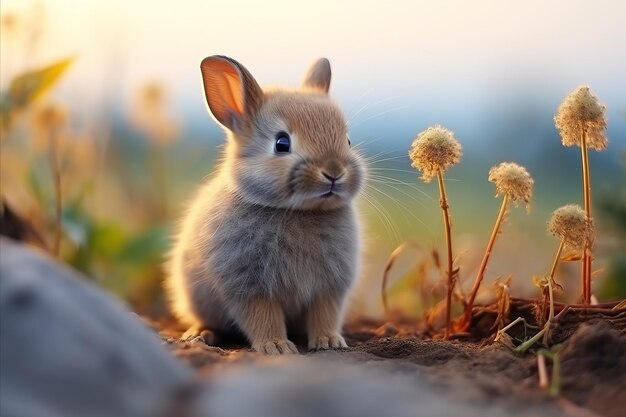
<point x="570" y="223"/>
<point x="581" y="111"/>
<point x="150" y="115"/>
<point x="433" y="150"/>
<point x="9" y="24"/>
<point x="47" y="120"/>
<point x="513" y="181"/>
<point x="50" y="116"/>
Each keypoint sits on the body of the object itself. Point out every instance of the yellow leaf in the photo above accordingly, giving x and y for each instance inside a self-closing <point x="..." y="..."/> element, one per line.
<point x="621" y="305"/>
<point x="540" y="281"/>
<point x="556" y="287"/>
<point x="571" y="257"/>
<point x="32" y="84"/>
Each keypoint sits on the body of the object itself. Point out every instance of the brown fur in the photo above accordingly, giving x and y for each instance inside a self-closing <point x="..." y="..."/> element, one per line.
<point x="271" y="237"/>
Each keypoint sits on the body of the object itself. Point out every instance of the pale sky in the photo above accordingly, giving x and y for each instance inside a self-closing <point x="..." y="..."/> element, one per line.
<point x="422" y="53"/>
<point x="400" y="65"/>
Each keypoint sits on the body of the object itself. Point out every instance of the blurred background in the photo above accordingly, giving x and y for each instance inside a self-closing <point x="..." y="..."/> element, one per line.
<point x="105" y="132"/>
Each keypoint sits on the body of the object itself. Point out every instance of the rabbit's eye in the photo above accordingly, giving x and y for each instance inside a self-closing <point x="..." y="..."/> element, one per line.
<point x="283" y="143"/>
<point x="349" y="143"/>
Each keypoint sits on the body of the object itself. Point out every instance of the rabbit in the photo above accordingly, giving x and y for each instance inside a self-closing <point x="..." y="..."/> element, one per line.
<point x="273" y="237"/>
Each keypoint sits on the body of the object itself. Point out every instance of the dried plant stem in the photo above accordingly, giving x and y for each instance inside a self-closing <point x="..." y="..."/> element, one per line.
<point x="528" y="344"/>
<point x="542" y="370"/>
<point x="610" y="306"/>
<point x="53" y="154"/>
<point x="545" y="331"/>
<point x="586" y="266"/>
<point x="546" y="335"/>
<point x="556" y="262"/>
<point x="390" y="262"/>
<point x="162" y="179"/>
<point x="503" y="331"/>
<point x="443" y="200"/>
<point x="483" y="264"/>
<point x="553" y="386"/>
<point x="551" y="277"/>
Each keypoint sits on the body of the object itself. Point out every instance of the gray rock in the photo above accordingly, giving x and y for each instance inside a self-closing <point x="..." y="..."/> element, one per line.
<point x="317" y="386"/>
<point x="68" y="349"/>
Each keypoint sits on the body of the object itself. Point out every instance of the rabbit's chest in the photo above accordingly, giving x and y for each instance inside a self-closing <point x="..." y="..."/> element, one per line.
<point x="288" y="255"/>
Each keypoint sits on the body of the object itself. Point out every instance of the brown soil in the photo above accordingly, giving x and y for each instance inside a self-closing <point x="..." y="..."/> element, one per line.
<point x="472" y="368"/>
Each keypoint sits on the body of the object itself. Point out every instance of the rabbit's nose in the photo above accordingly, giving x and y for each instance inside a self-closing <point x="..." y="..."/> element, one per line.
<point x="332" y="178"/>
<point x="333" y="170"/>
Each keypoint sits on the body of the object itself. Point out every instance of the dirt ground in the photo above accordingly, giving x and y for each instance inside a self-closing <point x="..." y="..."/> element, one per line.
<point x="473" y="369"/>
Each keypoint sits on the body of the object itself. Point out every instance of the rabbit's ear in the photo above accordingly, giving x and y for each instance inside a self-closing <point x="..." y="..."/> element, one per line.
<point x="318" y="76"/>
<point x="231" y="92"/>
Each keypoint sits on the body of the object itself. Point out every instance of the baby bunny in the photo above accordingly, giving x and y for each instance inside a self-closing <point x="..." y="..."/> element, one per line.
<point x="272" y="239"/>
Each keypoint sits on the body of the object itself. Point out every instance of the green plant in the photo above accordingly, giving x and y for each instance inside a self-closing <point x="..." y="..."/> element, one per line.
<point x="553" y="384"/>
<point x="56" y="177"/>
<point x="570" y="224"/>
<point x="29" y="86"/>
<point x="23" y="91"/>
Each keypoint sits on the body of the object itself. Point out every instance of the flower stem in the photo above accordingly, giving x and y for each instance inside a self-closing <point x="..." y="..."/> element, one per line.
<point x="443" y="201"/>
<point x="483" y="264"/>
<point x="53" y="154"/>
<point x="586" y="266"/>
<point x="546" y="335"/>
<point x="557" y="258"/>
<point x="551" y="277"/>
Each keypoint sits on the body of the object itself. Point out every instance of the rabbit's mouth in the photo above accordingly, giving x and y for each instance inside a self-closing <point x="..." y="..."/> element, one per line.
<point x="335" y="190"/>
<point x="329" y="199"/>
<point x="323" y="196"/>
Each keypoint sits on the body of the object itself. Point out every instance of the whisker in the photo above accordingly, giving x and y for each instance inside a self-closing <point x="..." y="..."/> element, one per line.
<point x="364" y="107"/>
<point x="368" y="142"/>
<point x="370" y="158"/>
<point x="384" y="180"/>
<point x="393" y="169"/>
<point x="382" y="113"/>
<point x="383" y="216"/>
<point x="373" y="104"/>
<point x="363" y="95"/>
<point x="405" y="207"/>
<point x="388" y="159"/>
<point x="397" y="203"/>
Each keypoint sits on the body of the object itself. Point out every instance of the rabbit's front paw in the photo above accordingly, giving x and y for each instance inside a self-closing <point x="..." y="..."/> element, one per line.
<point x="275" y="347"/>
<point x="327" y="341"/>
<point x="198" y="334"/>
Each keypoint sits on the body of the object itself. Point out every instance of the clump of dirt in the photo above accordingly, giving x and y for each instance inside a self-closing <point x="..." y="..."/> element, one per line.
<point x="593" y="369"/>
<point x="481" y="372"/>
<point x="421" y="352"/>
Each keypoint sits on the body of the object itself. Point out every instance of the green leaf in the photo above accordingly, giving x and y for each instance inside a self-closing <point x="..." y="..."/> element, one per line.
<point x="35" y="185"/>
<point x="108" y="239"/>
<point x="146" y="247"/>
<point x="5" y="109"/>
<point x="27" y="87"/>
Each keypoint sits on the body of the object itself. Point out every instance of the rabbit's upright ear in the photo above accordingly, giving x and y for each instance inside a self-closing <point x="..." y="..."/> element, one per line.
<point x="318" y="76"/>
<point x="232" y="94"/>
